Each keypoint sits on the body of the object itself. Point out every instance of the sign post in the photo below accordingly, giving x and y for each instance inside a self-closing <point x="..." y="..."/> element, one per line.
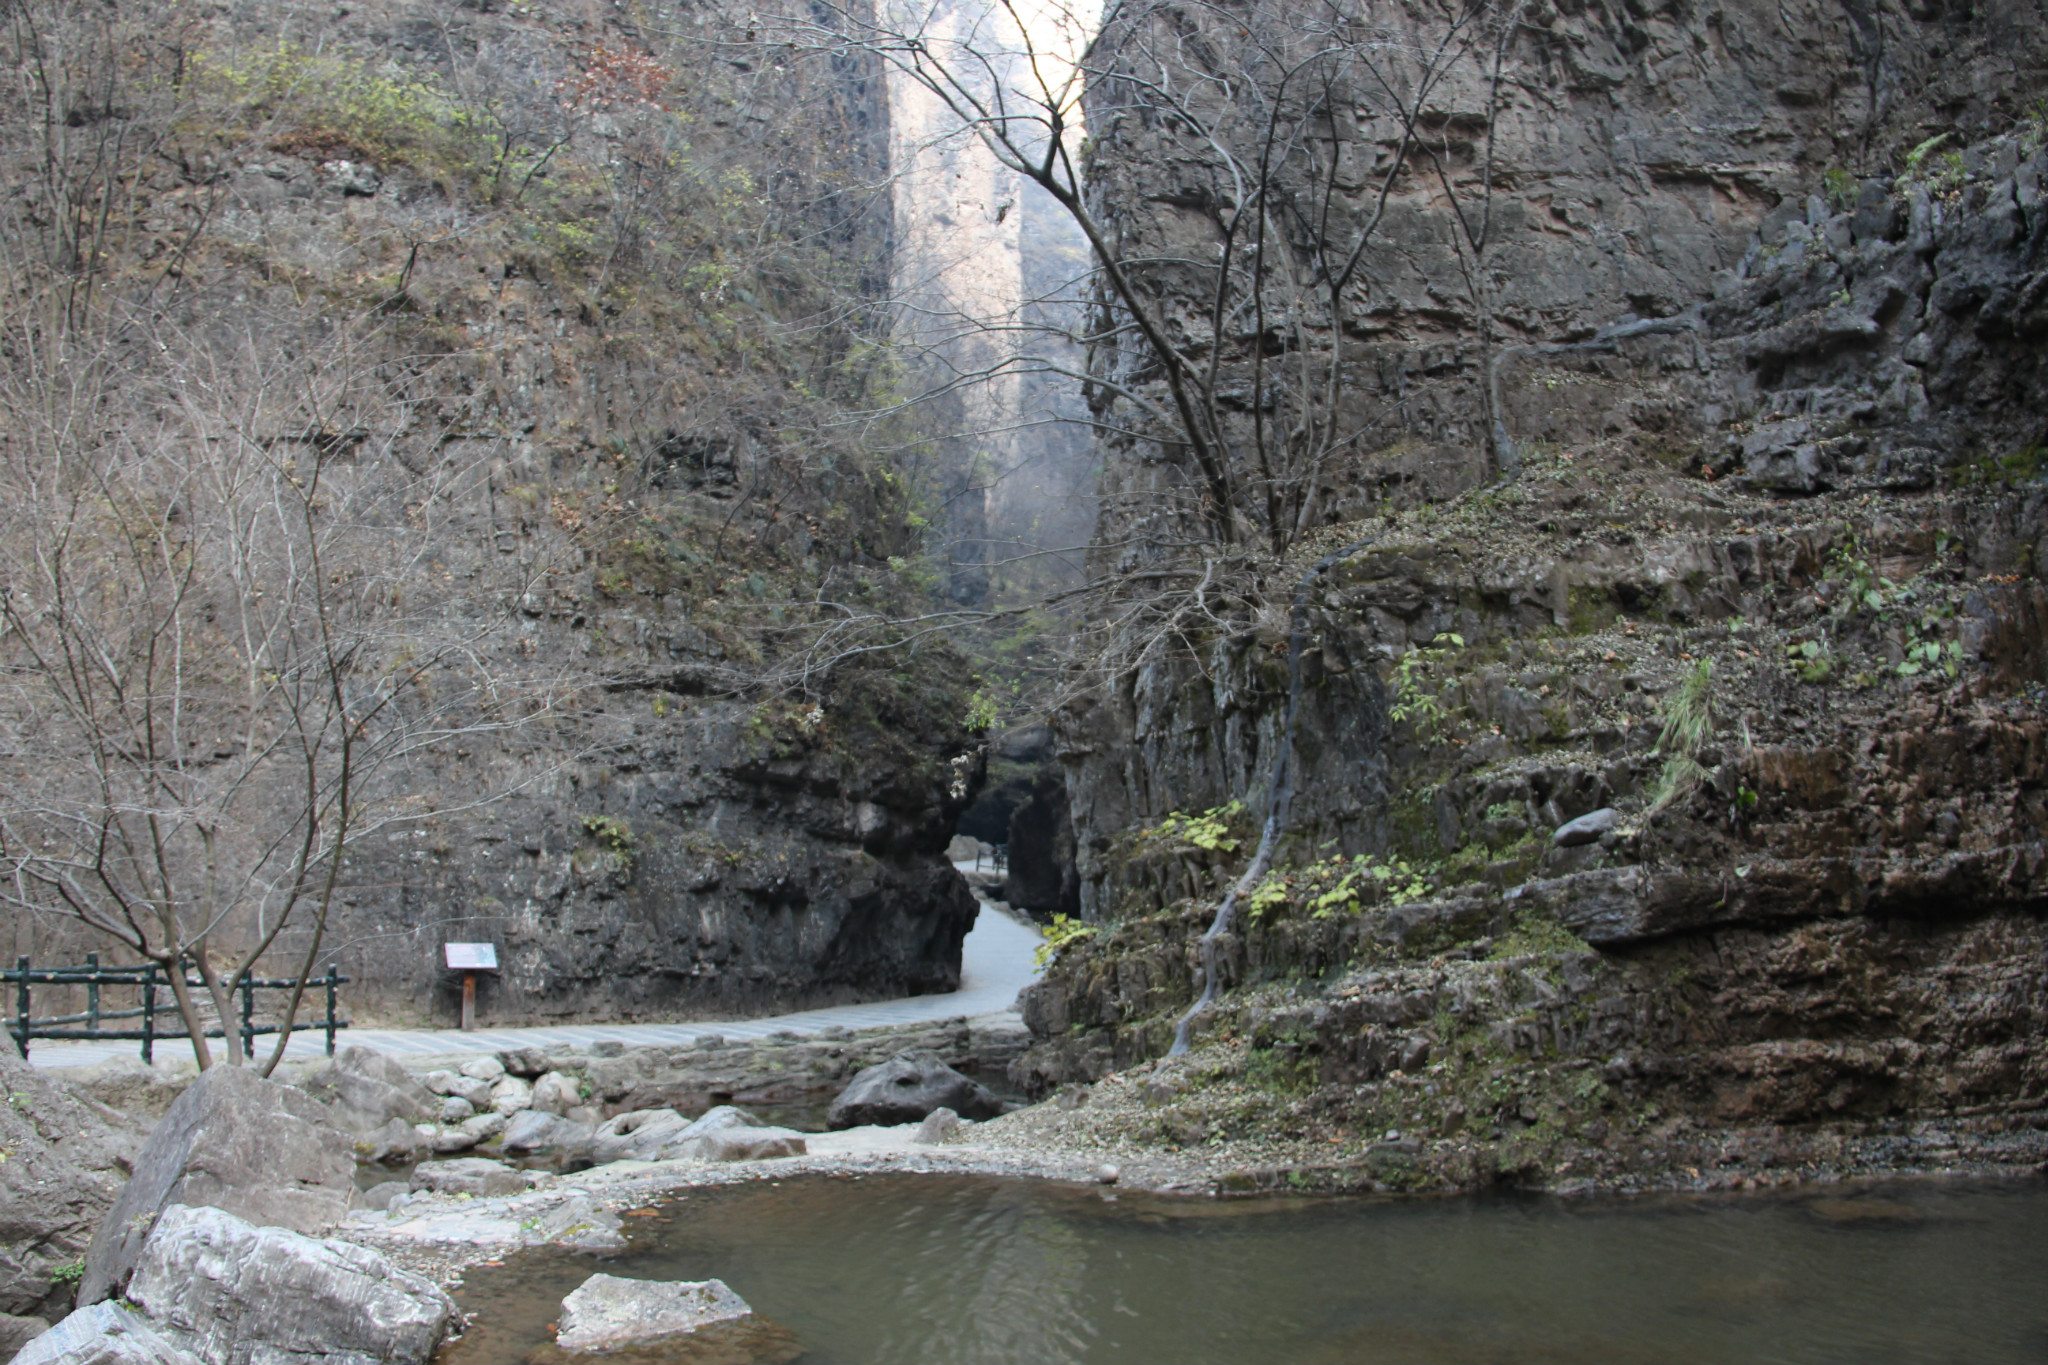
<point x="469" y="959"/>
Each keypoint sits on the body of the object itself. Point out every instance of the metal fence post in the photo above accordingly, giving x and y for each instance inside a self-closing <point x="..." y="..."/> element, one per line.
<point x="92" y="991"/>
<point x="248" y="1010"/>
<point x="21" y="1003"/>
<point x="333" y="970"/>
<point x="149" y="1015"/>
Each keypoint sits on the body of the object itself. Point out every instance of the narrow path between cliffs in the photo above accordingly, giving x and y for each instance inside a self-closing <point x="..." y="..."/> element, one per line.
<point x="996" y="962"/>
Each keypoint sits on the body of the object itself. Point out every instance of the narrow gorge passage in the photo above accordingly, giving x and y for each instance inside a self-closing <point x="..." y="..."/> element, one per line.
<point x="1390" y="660"/>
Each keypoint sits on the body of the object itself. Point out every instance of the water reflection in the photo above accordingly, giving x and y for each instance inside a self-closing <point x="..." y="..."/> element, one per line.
<point x="988" y="1272"/>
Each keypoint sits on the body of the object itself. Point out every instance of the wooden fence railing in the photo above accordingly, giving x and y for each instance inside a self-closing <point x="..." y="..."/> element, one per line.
<point x="147" y="981"/>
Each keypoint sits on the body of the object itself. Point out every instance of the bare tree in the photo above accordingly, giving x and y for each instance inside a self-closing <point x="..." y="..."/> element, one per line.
<point x="1225" y="341"/>
<point x="221" y="640"/>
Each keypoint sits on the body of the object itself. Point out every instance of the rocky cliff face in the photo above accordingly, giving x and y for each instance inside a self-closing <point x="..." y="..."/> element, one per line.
<point x="1761" y="588"/>
<point x="617" y="272"/>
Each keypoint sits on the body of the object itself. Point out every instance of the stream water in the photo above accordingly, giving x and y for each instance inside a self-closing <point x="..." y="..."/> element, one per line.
<point x="942" y="1270"/>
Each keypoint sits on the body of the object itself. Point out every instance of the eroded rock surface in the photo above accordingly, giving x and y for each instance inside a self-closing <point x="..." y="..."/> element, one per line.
<point x="65" y="1160"/>
<point x="257" y="1149"/>
<point x="235" y="1294"/>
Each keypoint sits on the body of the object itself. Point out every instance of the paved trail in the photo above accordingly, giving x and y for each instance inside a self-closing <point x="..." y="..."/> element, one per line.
<point x="995" y="964"/>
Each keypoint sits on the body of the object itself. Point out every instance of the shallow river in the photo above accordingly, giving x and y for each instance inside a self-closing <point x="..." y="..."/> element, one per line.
<point x="942" y="1270"/>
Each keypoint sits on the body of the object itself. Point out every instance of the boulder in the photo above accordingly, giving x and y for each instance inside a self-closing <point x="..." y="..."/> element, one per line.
<point x="511" y="1095"/>
<point x="397" y="1143"/>
<point x="104" y="1334"/>
<point x="448" y="1141"/>
<point x="530" y="1131"/>
<point x="1586" y="829"/>
<point x="906" y="1088"/>
<point x="235" y="1294"/>
<point x="378" y="1198"/>
<point x="66" y="1157"/>
<point x="606" y="1312"/>
<point x="455" y="1085"/>
<point x="940" y="1127"/>
<point x="364" y="1091"/>
<point x="557" y="1093"/>
<point x="729" y="1134"/>
<point x="260" y="1150"/>
<point x="487" y="1069"/>
<point x="529" y="1062"/>
<point x="483" y="1127"/>
<point x="579" y="1224"/>
<point x="473" y="1175"/>
<point x="455" y="1109"/>
<point x="638" y="1136"/>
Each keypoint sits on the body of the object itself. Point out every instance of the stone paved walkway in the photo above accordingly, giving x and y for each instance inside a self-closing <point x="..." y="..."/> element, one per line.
<point x="995" y="964"/>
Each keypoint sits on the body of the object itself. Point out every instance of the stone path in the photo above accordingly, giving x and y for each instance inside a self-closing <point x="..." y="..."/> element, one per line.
<point x="995" y="963"/>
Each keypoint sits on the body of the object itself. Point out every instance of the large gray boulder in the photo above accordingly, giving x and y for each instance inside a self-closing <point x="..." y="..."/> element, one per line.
<point x="235" y="1294"/>
<point x="365" y="1090"/>
<point x="906" y="1088"/>
<point x="723" y="1134"/>
<point x="531" y="1132"/>
<point x="638" y="1136"/>
<point x="104" y="1334"/>
<point x="66" y="1157"/>
<point x="729" y="1134"/>
<point x="258" y="1149"/>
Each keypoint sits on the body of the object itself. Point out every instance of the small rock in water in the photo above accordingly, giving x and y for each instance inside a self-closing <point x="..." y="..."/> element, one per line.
<point x="607" y="1312"/>
<point x="1107" y="1174"/>
<point x="1584" y="830"/>
<point x="578" y="1223"/>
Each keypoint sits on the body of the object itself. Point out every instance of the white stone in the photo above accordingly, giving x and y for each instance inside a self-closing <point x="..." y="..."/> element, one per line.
<point x="104" y="1334"/>
<point x="607" y="1312"/>
<point x="511" y="1095"/>
<point x="557" y="1092"/>
<point x="484" y="1069"/>
<point x="227" y="1291"/>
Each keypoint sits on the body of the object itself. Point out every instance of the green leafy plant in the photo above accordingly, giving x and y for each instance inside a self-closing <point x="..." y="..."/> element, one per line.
<point x="1840" y="188"/>
<point x="1918" y="156"/>
<point x="1932" y="654"/>
<point x="615" y="835"/>
<point x="1688" y="721"/>
<point x="1415" y="703"/>
<point x="1209" y="831"/>
<point x="1063" y="930"/>
<point x="982" y="710"/>
<point x="1811" y="660"/>
<point x="1866" y="586"/>
<point x="71" y="1272"/>
<point x="1336" y="886"/>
